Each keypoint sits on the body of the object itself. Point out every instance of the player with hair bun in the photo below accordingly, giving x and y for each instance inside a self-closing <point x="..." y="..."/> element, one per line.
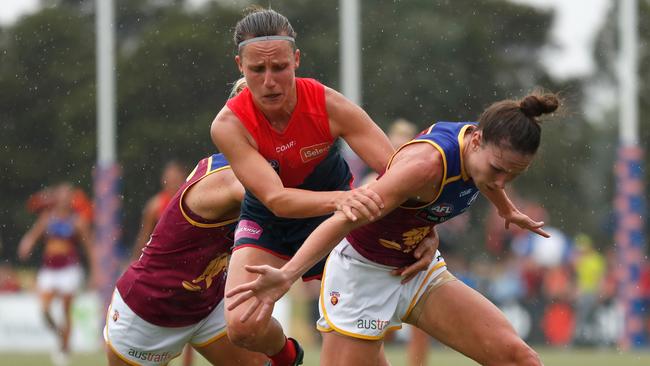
<point x="429" y="180"/>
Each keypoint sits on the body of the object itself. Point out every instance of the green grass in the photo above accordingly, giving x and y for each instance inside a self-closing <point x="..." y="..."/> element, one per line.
<point x="396" y="355"/>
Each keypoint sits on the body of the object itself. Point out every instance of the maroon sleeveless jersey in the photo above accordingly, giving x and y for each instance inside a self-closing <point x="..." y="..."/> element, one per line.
<point x="180" y="276"/>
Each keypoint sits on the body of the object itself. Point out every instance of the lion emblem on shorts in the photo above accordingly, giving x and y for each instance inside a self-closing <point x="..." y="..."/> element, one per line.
<point x="116" y="315"/>
<point x="334" y="297"/>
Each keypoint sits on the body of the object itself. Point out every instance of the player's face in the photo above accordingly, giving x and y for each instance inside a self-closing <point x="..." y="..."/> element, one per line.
<point x="492" y="166"/>
<point x="270" y="70"/>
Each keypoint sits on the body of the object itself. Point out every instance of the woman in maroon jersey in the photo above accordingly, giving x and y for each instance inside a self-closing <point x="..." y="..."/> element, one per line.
<point x="433" y="178"/>
<point x="173" y="294"/>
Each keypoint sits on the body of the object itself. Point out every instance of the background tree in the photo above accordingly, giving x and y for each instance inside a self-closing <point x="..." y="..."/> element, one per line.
<point x="422" y="60"/>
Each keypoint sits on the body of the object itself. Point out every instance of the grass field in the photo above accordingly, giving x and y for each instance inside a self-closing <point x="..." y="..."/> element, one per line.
<point x="396" y="355"/>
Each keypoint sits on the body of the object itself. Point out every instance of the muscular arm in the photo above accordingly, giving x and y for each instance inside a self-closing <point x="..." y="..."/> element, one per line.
<point x="411" y="172"/>
<point x="353" y="124"/>
<point x="412" y="175"/>
<point x="257" y="175"/>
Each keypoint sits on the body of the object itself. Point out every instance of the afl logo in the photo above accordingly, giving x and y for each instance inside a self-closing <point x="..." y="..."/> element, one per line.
<point x="116" y="315"/>
<point x="442" y="209"/>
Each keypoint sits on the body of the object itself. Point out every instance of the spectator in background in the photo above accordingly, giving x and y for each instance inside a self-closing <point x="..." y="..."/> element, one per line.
<point x="61" y="274"/>
<point x="589" y="267"/>
<point x="172" y="177"/>
<point x="400" y="132"/>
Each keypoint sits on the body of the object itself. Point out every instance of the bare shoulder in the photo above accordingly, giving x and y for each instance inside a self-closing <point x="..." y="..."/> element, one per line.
<point x="421" y="160"/>
<point x="226" y="128"/>
<point x="336" y="103"/>
<point x="226" y="118"/>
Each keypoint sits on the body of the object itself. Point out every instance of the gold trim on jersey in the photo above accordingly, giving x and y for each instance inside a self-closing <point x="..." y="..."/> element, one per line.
<point x="339" y="330"/>
<point x="444" y="169"/>
<point x="180" y="200"/>
<point x="461" y="143"/>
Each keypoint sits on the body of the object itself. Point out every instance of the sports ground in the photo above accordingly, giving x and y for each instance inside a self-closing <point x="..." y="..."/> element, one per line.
<point x="397" y="356"/>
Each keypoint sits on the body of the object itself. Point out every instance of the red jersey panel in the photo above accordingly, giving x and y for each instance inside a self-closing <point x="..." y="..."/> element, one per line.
<point x="180" y="276"/>
<point x="295" y="152"/>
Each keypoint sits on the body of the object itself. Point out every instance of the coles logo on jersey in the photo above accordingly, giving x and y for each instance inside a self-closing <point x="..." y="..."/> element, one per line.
<point x="314" y="151"/>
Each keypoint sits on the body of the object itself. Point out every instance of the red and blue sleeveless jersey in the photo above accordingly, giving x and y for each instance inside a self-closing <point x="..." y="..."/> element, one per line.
<point x="306" y="141"/>
<point x="60" y="243"/>
<point x="391" y="240"/>
<point x="180" y="276"/>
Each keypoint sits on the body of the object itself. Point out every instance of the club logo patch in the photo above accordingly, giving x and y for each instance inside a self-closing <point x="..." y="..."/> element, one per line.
<point x="334" y="297"/>
<point x="116" y="315"/>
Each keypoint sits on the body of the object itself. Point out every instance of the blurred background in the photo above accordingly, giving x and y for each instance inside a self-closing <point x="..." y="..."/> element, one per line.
<point x="421" y="61"/>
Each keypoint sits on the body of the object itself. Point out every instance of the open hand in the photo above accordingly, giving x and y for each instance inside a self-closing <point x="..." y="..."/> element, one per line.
<point x="269" y="287"/>
<point x="523" y="221"/>
<point x="424" y="253"/>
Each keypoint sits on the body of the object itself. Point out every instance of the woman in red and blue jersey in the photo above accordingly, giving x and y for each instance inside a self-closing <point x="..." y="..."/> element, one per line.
<point x="173" y="294"/>
<point x="431" y="179"/>
<point x="279" y="135"/>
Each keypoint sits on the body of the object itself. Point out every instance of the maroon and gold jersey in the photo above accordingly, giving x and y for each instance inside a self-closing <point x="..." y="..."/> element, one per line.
<point x="180" y="276"/>
<point x="392" y="239"/>
<point x="61" y="242"/>
<point x="296" y="151"/>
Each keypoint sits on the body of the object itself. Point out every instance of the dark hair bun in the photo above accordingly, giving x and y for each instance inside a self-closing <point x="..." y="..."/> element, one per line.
<point x="535" y="105"/>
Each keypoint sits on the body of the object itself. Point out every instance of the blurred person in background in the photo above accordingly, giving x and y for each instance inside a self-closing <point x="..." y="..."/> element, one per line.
<point x="589" y="268"/>
<point x="173" y="176"/>
<point x="172" y="295"/>
<point x="61" y="275"/>
<point x="430" y="180"/>
<point x="400" y="132"/>
<point x="279" y="135"/>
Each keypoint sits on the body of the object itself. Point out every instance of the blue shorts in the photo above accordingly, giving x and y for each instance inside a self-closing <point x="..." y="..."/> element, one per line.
<point x="281" y="238"/>
<point x="258" y="227"/>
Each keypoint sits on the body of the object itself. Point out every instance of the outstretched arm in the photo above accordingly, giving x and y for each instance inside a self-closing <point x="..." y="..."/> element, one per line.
<point x="257" y="175"/>
<point x="399" y="183"/>
<point x="511" y="214"/>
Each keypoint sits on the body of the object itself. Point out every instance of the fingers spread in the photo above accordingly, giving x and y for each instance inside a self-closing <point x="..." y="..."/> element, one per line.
<point x="250" y="311"/>
<point x="240" y="300"/>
